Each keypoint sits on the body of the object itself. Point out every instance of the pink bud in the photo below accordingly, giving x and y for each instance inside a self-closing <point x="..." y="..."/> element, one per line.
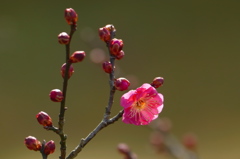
<point x="123" y="148"/>
<point x="104" y="34"/>
<point x="49" y="147"/>
<point x="70" y="16"/>
<point x="32" y="143"/>
<point x="110" y="27"/>
<point x="122" y="84"/>
<point x="63" y="69"/>
<point x="56" y="95"/>
<point x="115" y="46"/>
<point x="107" y="66"/>
<point x="120" y="55"/>
<point x="44" y="119"/>
<point x="157" y="82"/>
<point x="190" y="141"/>
<point x="63" y="38"/>
<point x="77" y="56"/>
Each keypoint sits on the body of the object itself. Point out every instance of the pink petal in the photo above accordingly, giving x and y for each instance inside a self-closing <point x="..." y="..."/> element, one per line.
<point x="155" y="117"/>
<point x="127" y="99"/>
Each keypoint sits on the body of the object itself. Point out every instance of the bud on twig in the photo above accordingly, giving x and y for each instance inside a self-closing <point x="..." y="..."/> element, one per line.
<point x="77" y="56"/>
<point x="44" y="119"/>
<point x="157" y="82"/>
<point x="32" y="143"/>
<point x="121" y="84"/>
<point x="63" y="69"/>
<point x="115" y="46"/>
<point x="107" y="66"/>
<point x="56" y="95"/>
<point x="104" y="34"/>
<point x="63" y="38"/>
<point x="49" y="147"/>
<point x="70" y="16"/>
<point x="120" y="55"/>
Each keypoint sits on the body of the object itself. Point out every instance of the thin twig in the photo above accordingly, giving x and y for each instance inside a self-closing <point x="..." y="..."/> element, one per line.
<point x="61" y="121"/>
<point x="105" y="121"/>
<point x="44" y="156"/>
<point x="100" y="126"/>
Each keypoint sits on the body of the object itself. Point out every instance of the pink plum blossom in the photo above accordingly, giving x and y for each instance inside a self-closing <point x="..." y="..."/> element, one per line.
<point x="142" y="105"/>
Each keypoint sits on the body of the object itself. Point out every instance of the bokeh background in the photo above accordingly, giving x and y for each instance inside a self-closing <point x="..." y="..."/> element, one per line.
<point x="194" y="45"/>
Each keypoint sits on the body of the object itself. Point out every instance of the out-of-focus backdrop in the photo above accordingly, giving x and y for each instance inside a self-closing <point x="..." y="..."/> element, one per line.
<point x="194" y="45"/>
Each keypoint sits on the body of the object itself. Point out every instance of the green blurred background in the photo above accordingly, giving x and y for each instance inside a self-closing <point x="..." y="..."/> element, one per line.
<point x="194" y="45"/>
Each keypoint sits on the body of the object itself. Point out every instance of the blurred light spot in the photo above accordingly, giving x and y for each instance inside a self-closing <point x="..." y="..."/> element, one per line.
<point x="133" y="80"/>
<point x="97" y="55"/>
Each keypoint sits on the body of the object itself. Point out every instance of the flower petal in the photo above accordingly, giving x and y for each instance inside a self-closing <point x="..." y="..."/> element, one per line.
<point x="127" y="99"/>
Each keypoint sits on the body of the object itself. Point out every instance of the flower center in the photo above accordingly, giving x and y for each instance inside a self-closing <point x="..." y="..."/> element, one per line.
<point x="140" y="104"/>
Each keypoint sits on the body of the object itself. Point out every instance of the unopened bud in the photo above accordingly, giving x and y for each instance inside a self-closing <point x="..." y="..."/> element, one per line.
<point x="115" y="46"/>
<point x="190" y="141"/>
<point x="70" y="16"/>
<point x="49" y="147"/>
<point x="107" y="66"/>
<point x="120" y="55"/>
<point x="110" y="27"/>
<point x="121" y="84"/>
<point x="63" y="70"/>
<point x="104" y="34"/>
<point x="157" y="141"/>
<point x="157" y="82"/>
<point x="32" y="143"/>
<point x="56" y="95"/>
<point x="77" y="56"/>
<point x="123" y="148"/>
<point x="44" y="119"/>
<point x="63" y="38"/>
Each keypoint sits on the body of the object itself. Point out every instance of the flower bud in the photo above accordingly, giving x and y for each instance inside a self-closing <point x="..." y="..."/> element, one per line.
<point x="157" y="82"/>
<point x="77" y="56"/>
<point x="157" y="141"/>
<point x="120" y="55"/>
<point x="56" y="95"/>
<point x="107" y="66"/>
<point x="190" y="141"/>
<point x="121" y="84"/>
<point x="104" y="34"/>
<point x="44" y="119"/>
<point x="63" y="38"/>
<point x="63" y="69"/>
<point x="115" y="46"/>
<point x="49" y="147"/>
<point x="110" y="27"/>
<point x="123" y="148"/>
<point x="32" y="143"/>
<point x="70" y="16"/>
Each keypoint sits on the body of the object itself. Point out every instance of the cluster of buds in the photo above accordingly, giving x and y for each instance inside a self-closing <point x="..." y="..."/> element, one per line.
<point x="148" y="101"/>
<point x="115" y="46"/>
<point x="56" y="95"/>
<point x="76" y="57"/>
<point x="34" y="144"/>
<point x="163" y="140"/>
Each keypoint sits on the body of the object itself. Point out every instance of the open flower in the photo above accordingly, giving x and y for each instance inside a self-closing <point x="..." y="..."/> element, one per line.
<point x="142" y="105"/>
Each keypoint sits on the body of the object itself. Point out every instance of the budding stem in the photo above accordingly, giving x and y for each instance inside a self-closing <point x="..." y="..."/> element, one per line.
<point x="105" y="121"/>
<point x="62" y="106"/>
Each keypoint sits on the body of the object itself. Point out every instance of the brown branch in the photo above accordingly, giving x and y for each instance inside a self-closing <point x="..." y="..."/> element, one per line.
<point x="105" y="121"/>
<point x="61" y="121"/>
